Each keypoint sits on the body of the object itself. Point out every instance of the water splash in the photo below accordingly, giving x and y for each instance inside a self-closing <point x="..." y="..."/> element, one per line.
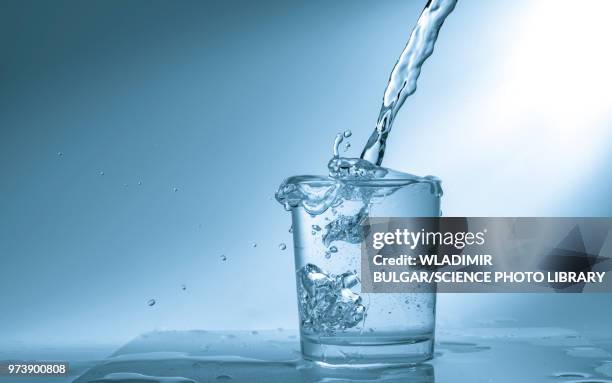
<point x="326" y="302"/>
<point x="135" y="377"/>
<point x="403" y="79"/>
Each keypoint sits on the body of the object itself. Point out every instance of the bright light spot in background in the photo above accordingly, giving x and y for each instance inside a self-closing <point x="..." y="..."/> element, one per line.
<point x="532" y="122"/>
<point x="555" y="94"/>
<point x="530" y="136"/>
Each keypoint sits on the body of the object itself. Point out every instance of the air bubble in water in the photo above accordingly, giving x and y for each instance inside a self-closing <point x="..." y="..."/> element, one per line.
<point x="325" y="304"/>
<point x="349" y="279"/>
<point x="151" y="302"/>
<point x="282" y="246"/>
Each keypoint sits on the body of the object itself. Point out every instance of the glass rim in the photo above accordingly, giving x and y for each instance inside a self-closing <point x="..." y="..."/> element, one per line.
<point x="376" y="182"/>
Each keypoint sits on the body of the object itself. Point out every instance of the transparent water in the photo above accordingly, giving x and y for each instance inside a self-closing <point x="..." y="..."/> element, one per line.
<point x="328" y="213"/>
<point x="403" y="79"/>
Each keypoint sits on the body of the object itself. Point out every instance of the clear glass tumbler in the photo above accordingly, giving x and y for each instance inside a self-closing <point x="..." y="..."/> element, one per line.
<point x="338" y="323"/>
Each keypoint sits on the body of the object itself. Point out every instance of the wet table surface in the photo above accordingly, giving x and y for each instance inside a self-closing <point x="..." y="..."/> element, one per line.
<point x="466" y="355"/>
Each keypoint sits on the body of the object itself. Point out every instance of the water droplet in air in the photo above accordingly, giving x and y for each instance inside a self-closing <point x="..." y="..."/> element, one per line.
<point x="282" y="246"/>
<point x="316" y="227"/>
<point x="254" y="244"/>
<point x="223" y="257"/>
<point x="151" y="302"/>
<point x="327" y="255"/>
<point x="101" y="173"/>
<point x="347" y="133"/>
<point x="333" y="249"/>
<point x="60" y="154"/>
<point x="291" y="229"/>
<point x="347" y="146"/>
<point x="183" y="287"/>
<point x="139" y="183"/>
<point x="175" y="189"/>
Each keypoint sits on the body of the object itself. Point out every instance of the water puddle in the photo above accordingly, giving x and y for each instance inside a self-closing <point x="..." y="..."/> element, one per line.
<point x="125" y="377"/>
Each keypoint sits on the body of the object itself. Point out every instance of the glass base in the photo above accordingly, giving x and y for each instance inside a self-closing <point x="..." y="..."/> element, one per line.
<point x="357" y="352"/>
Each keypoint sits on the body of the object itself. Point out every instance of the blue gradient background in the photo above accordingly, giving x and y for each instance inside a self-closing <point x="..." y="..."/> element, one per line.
<point x="222" y="100"/>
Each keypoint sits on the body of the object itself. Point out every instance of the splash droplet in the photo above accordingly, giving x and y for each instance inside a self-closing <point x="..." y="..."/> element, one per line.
<point x="347" y="146"/>
<point x="282" y="246"/>
<point x="151" y="302"/>
<point x="347" y="133"/>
